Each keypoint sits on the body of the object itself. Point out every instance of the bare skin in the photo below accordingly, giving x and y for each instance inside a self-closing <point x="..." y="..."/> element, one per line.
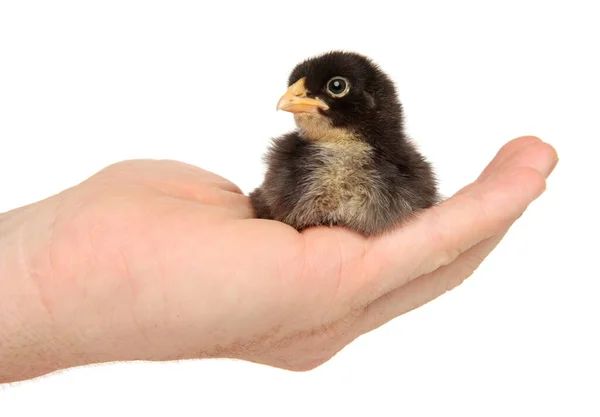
<point x="158" y="260"/>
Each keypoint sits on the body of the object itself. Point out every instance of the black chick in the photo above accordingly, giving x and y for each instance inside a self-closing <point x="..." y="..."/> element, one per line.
<point x="349" y="163"/>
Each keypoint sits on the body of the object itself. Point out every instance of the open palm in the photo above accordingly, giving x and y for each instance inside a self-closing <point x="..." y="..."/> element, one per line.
<point x="166" y="261"/>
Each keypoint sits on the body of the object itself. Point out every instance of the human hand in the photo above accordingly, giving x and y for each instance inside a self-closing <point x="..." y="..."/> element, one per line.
<point x="158" y="260"/>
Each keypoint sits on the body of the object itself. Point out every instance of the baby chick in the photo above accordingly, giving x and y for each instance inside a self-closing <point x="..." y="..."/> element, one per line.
<point x="349" y="162"/>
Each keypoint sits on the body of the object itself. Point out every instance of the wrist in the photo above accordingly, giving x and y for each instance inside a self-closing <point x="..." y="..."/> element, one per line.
<point x="68" y="298"/>
<point x="32" y="341"/>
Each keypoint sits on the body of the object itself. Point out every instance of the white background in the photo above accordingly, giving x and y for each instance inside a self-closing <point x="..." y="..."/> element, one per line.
<point x="86" y="84"/>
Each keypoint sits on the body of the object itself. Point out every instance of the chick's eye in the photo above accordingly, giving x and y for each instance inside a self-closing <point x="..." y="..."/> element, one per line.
<point x="338" y="87"/>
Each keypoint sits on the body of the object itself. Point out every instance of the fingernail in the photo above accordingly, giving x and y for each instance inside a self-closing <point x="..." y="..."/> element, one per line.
<point x="549" y="165"/>
<point x="553" y="165"/>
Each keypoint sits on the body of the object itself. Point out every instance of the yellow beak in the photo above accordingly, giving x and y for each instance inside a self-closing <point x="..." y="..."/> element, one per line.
<point x="295" y="101"/>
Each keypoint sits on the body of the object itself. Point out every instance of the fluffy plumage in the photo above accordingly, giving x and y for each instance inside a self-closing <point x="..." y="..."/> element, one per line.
<point x="349" y="162"/>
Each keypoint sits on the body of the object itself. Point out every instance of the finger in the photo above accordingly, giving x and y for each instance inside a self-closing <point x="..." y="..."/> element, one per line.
<point x="170" y="177"/>
<point x="425" y="288"/>
<point x="508" y="150"/>
<point x="526" y="147"/>
<point x="237" y="204"/>
<point x="445" y="231"/>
